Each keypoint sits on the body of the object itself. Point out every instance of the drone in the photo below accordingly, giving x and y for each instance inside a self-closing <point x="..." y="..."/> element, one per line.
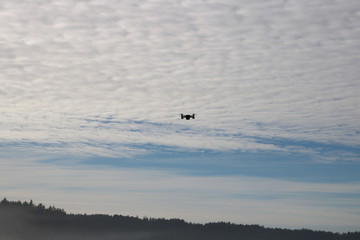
<point x="188" y="117"/>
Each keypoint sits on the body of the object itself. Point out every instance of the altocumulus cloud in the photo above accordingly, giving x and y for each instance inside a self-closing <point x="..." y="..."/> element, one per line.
<point x="249" y="68"/>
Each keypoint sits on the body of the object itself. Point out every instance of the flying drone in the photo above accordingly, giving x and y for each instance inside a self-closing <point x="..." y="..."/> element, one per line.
<point x="188" y="116"/>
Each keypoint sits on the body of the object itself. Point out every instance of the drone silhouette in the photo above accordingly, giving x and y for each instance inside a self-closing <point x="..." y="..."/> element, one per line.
<point x="188" y="117"/>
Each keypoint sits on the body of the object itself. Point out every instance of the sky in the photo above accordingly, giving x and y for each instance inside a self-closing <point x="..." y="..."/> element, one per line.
<point x="92" y="91"/>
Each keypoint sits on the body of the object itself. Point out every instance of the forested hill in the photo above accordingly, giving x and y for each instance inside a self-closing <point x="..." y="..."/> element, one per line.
<point x="27" y="221"/>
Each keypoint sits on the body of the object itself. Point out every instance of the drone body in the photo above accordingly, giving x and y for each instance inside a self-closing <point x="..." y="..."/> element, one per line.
<point x="188" y="117"/>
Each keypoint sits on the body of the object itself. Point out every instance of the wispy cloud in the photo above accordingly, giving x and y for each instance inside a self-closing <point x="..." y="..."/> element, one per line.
<point x="165" y="194"/>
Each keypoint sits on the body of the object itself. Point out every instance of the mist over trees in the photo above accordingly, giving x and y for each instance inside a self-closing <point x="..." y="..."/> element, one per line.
<point x="27" y="221"/>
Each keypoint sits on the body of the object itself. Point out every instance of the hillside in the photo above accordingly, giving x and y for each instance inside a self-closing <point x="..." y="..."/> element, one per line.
<point x="27" y="221"/>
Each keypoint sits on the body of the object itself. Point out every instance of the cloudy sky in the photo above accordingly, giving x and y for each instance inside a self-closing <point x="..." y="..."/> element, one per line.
<point x="91" y="92"/>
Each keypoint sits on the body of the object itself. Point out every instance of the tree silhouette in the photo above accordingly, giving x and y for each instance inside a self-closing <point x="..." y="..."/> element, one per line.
<point x="25" y="220"/>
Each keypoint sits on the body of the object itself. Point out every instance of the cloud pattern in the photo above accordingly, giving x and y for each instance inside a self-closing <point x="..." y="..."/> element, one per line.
<point x="284" y="69"/>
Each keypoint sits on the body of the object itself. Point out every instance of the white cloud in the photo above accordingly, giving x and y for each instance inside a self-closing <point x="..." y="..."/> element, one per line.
<point x="290" y="65"/>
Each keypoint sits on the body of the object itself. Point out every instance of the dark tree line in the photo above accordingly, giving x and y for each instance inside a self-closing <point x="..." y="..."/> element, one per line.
<point x="27" y="221"/>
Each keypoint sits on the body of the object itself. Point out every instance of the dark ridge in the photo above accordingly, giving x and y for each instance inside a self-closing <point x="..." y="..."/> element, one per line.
<point x="27" y="221"/>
